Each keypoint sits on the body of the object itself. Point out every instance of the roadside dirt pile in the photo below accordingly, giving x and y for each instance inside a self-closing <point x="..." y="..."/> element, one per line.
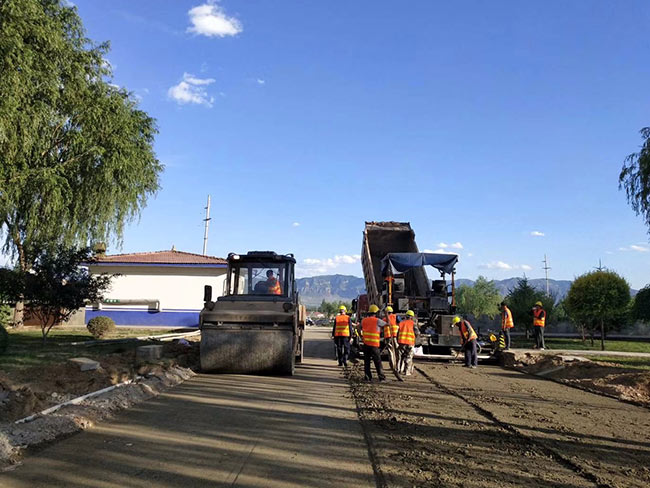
<point x="31" y="390"/>
<point x="600" y="377"/>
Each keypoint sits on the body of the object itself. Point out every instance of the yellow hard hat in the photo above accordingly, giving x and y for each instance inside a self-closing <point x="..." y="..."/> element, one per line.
<point x="455" y="320"/>
<point x="389" y="309"/>
<point x="410" y="313"/>
<point x="342" y="307"/>
<point x="373" y="309"/>
<point x="539" y="304"/>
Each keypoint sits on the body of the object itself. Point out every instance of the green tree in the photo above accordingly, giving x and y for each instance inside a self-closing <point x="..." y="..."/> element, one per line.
<point x="58" y="285"/>
<point x="598" y="301"/>
<point x="521" y="299"/>
<point x="480" y="299"/>
<point x="76" y="153"/>
<point x="641" y="305"/>
<point x="635" y="178"/>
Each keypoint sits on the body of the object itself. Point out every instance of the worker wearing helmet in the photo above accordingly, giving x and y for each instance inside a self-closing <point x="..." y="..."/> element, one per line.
<point x="539" y="322"/>
<point x="273" y="284"/>
<point x="468" y="340"/>
<point x="406" y="339"/>
<point x="507" y="323"/>
<point x="371" y="333"/>
<point x="390" y="335"/>
<point x="341" y="333"/>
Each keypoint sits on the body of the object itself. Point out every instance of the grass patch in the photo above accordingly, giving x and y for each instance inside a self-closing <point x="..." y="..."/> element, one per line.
<point x="577" y="344"/>
<point x="627" y="362"/>
<point x="26" y="348"/>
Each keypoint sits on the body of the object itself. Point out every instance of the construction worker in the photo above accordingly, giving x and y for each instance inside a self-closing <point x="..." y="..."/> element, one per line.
<point x="468" y="340"/>
<point x="539" y="322"/>
<point x="371" y="333"/>
<point x="341" y="333"/>
<point x="390" y="336"/>
<point x="273" y="283"/>
<point x="506" y="323"/>
<point x="406" y="340"/>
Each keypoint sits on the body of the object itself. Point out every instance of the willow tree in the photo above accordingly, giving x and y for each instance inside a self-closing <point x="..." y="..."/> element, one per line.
<point x="76" y="152"/>
<point x="635" y="178"/>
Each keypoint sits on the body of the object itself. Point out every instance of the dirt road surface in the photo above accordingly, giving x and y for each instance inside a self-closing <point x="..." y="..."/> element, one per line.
<point x="490" y="427"/>
<point x="220" y="430"/>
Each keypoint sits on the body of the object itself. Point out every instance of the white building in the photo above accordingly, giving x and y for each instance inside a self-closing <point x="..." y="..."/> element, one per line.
<point x="163" y="288"/>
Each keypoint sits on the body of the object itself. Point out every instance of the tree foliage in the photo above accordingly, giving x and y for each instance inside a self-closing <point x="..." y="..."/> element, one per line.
<point x="480" y="299"/>
<point x="76" y="153"/>
<point x="635" y="178"/>
<point x="57" y="286"/>
<point x="332" y="308"/>
<point x="521" y="300"/>
<point x="641" y="306"/>
<point x="598" y="300"/>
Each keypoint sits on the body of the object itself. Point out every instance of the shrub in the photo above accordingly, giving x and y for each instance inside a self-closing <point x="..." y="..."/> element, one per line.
<point x="100" y="326"/>
<point x="5" y="315"/>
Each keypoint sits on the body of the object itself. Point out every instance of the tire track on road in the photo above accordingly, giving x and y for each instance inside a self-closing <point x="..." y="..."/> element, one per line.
<point x="552" y="453"/>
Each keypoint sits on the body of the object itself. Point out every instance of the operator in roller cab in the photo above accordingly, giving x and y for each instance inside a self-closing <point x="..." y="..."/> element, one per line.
<point x="468" y="340"/>
<point x="341" y="333"/>
<point x="273" y="284"/>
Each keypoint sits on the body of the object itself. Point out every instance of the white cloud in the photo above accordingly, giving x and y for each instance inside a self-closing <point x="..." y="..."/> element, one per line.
<point x="457" y="245"/>
<point x="296" y="224"/>
<point x="443" y="245"/>
<point x="311" y="266"/>
<point x="501" y="265"/>
<point x="537" y="233"/>
<point x="469" y="254"/>
<point x="192" y="90"/>
<point x="210" y="19"/>
<point x="634" y="247"/>
<point x="260" y="81"/>
<point x="439" y="251"/>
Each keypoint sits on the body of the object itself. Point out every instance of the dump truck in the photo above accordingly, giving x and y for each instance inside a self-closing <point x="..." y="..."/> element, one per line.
<point x="258" y="325"/>
<point x="395" y="275"/>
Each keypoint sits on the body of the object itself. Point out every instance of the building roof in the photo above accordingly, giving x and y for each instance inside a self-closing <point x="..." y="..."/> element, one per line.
<point x="162" y="258"/>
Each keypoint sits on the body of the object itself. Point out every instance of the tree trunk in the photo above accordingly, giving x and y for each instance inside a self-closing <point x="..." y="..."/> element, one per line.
<point x="602" y="335"/>
<point x="19" y="311"/>
<point x="19" y="315"/>
<point x="582" y="330"/>
<point x="591" y="336"/>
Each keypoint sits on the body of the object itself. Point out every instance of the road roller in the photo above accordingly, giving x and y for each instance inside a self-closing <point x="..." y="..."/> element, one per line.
<point x="258" y="325"/>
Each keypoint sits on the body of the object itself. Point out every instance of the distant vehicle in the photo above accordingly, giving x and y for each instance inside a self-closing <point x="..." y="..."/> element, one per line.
<point x="258" y="325"/>
<point x="309" y="321"/>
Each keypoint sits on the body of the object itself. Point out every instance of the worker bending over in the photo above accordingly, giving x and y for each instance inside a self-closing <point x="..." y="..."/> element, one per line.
<point x="341" y="333"/>
<point x="390" y="336"/>
<point x="539" y="322"/>
<point x="406" y="339"/>
<point x="506" y="323"/>
<point x="468" y="340"/>
<point x="371" y="333"/>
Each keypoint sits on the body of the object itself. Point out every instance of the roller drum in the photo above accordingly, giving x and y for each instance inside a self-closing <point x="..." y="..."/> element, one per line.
<point x="247" y="350"/>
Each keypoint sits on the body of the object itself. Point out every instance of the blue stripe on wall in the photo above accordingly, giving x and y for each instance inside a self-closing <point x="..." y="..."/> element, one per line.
<point x="144" y="317"/>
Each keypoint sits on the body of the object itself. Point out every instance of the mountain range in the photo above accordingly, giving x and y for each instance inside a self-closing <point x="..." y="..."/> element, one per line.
<point x="331" y="288"/>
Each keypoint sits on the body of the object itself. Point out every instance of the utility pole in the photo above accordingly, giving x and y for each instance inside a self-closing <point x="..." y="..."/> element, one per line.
<point x="546" y="267"/>
<point x="600" y="266"/>
<point x="207" y="225"/>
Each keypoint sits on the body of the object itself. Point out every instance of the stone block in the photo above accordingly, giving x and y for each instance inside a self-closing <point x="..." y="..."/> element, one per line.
<point x="145" y="354"/>
<point x="85" y="364"/>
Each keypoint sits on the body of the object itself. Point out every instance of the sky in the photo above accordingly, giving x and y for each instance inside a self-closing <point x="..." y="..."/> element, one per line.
<point x="497" y="129"/>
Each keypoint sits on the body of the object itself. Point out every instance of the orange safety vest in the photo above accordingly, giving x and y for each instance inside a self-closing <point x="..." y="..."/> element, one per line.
<point x="538" y="319"/>
<point x="506" y="319"/>
<point x="466" y="331"/>
<point x="274" y="287"/>
<point x="406" y="334"/>
<point x="391" y="329"/>
<point x="342" y="325"/>
<point x="370" y="331"/>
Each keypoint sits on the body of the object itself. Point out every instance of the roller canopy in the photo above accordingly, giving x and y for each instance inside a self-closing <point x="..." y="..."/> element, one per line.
<point x="403" y="261"/>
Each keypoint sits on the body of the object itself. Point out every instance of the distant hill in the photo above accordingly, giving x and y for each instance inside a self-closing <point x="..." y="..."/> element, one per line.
<point x="345" y="287"/>
<point x="331" y="288"/>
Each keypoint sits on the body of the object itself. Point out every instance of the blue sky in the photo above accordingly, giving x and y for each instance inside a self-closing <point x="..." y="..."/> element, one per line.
<point x="478" y="122"/>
